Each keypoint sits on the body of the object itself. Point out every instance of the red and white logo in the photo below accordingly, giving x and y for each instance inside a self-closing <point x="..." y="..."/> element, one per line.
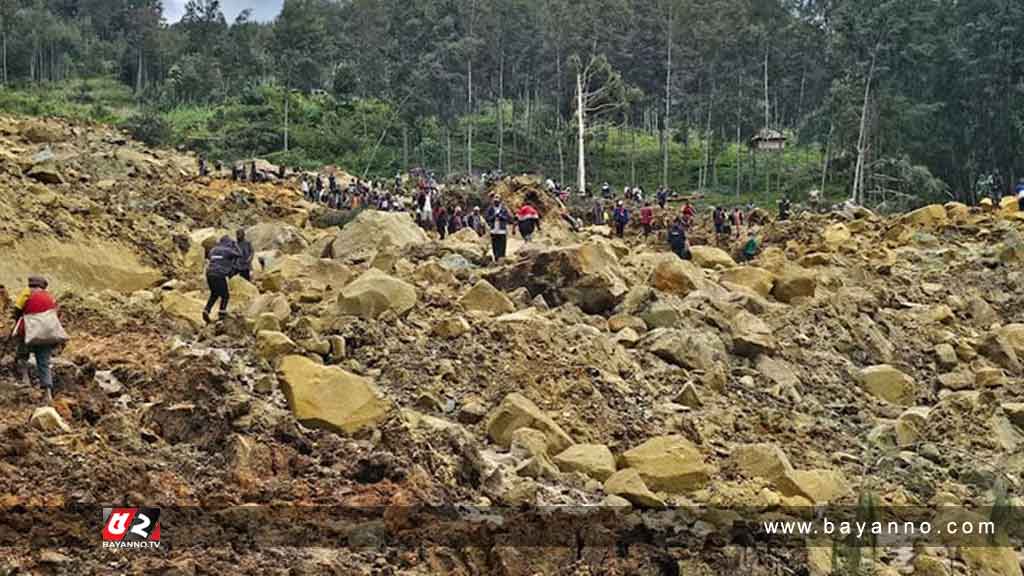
<point x="131" y="528"/>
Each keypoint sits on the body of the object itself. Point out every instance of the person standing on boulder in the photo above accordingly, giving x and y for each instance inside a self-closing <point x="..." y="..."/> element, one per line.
<point x="245" y="256"/>
<point x="647" y="218"/>
<point x="223" y="264"/>
<point x="37" y="302"/>
<point x="620" y="216"/>
<point x="677" y="238"/>
<point x="737" y="220"/>
<point x="498" y="219"/>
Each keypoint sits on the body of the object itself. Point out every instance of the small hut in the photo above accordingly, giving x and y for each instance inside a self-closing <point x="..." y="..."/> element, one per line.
<point x="768" y="140"/>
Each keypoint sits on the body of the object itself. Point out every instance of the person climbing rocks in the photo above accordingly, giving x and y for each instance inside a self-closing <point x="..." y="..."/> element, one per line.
<point x="441" y="220"/>
<point x="750" y="248"/>
<point x="737" y="220"/>
<point x="498" y="219"/>
<point x="528" y="221"/>
<point x="718" y="217"/>
<point x="245" y="252"/>
<point x="647" y="218"/>
<point x="223" y="264"/>
<point x="202" y="166"/>
<point x="598" y="212"/>
<point x="677" y="238"/>
<point x="305" y="190"/>
<point x="784" y="208"/>
<point x="662" y="196"/>
<point x="36" y="300"/>
<point x="1020" y="194"/>
<point x="688" y="212"/>
<point x="620" y="216"/>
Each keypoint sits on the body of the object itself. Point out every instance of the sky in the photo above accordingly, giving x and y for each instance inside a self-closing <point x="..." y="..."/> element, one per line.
<point x="262" y="10"/>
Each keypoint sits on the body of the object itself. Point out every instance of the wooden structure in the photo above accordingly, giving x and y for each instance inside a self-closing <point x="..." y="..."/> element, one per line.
<point x="768" y="140"/>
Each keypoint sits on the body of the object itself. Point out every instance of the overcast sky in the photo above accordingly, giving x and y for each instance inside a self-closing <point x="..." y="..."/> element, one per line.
<point x="262" y="10"/>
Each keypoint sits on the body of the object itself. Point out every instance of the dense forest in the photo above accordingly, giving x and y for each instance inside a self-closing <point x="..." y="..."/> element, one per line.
<point x="882" y="100"/>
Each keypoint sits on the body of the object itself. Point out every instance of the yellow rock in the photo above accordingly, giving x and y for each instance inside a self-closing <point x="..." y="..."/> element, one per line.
<point x="484" y="297"/>
<point x="594" y="460"/>
<point x="629" y="485"/>
<point x="929" y="216"/>
<point x="818" y="486"/>
<point x="794" y="283"/>
<point x="670" y="464"/>
<point x="91" y="265"/>
<point x="1009" y="205"/>
<point x="677" y="276"/>
<point x="517" y="411"/>
<point x="711" y="257"/>
<point x="911" y="425"/>
<point x="991" y="560"/>
<point x="889" y="384"/>
<point x="272" y="345"/>
<point x="757" y="279"/>
<point x="186" y="307"/>
<point x="766" y="461"/>
<point x="836" y="236"/>
<point x="375" y="292"/>
<point x="329" y="397"/>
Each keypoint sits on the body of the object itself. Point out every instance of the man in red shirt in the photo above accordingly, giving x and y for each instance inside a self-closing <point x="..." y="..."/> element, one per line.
<point x="38" y="301"/>
<point x="647" y="218"/>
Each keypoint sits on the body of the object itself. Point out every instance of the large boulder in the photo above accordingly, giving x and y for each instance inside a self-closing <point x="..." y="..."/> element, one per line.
<point x="272" y="345"/>
<point x="278" y="236"/>
<point x="587" y="275"/>
<point x="836" y="236"/>
<point x="276" y="304"/>
<point x="630" y="485"/>
<point x="686" y="348"/>
<point x="594" y="460"/>
<point x="89" y="265"/>
<point x="484" y="297"/>
<point x="766" y="461"/>
<point x="818" y="486"/>
<point x="329" y="397"/>
<point x="298" y="272"/>
<point x="759" y="280"/>
<point x="372" y="231"/>
<point x="184" y="307"/>
<point x="794" y="283"/>
<point x="751" y="336"/>
<point x="927" y="217"/>
<point x="889" y="384"/>
<point x="669" y="464"/>
<point x="374" y="293"/>
<point x="677" y="276"/>
<point x="517" y="411"/>
<point x="711" y="257"/>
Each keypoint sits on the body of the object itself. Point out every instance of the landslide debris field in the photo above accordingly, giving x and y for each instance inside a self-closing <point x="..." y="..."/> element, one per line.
<point x="373" y="367"/>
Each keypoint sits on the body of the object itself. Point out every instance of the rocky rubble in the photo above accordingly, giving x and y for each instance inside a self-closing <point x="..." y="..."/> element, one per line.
<point x="376" y="368"/>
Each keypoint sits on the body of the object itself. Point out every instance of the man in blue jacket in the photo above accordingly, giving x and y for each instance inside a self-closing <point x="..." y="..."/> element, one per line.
<point x="223" y="264"/>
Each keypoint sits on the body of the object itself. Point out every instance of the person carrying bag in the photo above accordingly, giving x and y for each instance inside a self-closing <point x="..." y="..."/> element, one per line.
<point x="38" y="332"/>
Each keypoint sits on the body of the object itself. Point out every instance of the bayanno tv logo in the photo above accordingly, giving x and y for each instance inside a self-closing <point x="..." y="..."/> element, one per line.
<point x="131" y="528"/>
